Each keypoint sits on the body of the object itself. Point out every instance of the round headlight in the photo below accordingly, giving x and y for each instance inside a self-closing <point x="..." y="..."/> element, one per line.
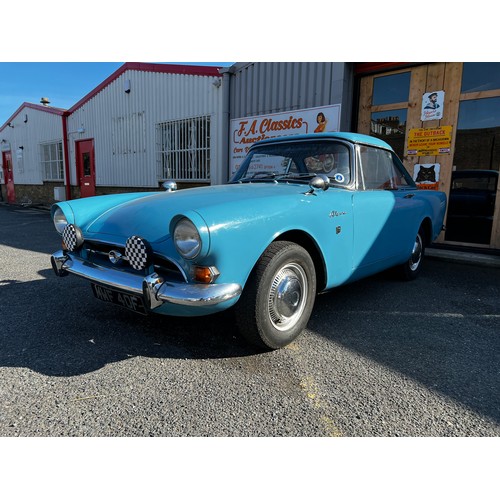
<point x="187" y="239"/>
<point x="60" y="221"/>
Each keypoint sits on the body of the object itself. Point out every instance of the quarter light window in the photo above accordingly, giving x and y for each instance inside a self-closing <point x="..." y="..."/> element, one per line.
<point x="52" y="161"/>
<point x="183" y="149"/>
<point x="378" y="170"/>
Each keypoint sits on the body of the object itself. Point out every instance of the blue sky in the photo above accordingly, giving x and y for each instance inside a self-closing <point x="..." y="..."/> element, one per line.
<point x="64" y="83"/>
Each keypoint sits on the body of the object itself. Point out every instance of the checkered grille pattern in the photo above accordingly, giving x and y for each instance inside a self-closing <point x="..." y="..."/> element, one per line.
<point x="136" y="250"/>
<point x="71" y="237"/>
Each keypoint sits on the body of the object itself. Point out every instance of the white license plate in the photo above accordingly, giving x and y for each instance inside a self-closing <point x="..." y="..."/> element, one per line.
<point x="127" y="300"/>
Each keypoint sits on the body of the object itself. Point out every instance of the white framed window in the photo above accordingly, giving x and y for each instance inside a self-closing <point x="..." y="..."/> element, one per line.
<point x="183" y="149"/>
<point x="51" y="159"/>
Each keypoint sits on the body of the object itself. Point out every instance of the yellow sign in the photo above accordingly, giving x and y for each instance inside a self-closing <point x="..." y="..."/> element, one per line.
<point x="429" y="141"/>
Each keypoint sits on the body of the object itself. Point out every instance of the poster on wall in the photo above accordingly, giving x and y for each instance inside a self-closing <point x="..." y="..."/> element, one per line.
<point x="245" y="131"/>
<point x="429" y="141"/>
<point x="432" y="105"/>
<point x="426" y="175"/>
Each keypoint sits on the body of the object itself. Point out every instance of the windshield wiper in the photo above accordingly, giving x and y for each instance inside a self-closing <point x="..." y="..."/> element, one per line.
<point x="259" y="175"/>
<point x="275" y="176"/>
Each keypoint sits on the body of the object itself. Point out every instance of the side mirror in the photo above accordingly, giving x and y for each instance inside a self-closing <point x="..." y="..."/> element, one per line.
<point x="320" y="181"/>
<point x="169" y="186"/>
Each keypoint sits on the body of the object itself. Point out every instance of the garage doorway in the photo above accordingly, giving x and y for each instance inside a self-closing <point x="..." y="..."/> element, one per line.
<point x="391" y="97"/>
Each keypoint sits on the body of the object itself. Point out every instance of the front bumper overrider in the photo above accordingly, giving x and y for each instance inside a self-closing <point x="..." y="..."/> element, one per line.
<point x="154" y="289"/>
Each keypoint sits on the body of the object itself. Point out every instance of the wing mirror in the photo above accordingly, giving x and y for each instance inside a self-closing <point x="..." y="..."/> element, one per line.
<point x="169" y="186"/>
<point x="320" y="181"/>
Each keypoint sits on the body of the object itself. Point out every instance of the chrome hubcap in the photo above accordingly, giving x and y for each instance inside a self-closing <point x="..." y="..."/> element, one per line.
<point x="287" y="296"/>
<point x="416" y="254"/>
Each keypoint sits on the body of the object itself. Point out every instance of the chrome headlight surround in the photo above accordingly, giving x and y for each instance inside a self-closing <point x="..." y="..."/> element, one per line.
<point x="72" y="237"/>
<point x="59" y="219"/>
<point x="187" y="239"/>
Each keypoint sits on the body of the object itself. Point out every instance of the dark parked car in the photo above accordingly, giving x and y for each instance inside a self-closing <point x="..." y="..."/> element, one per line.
<point x="471" y="206"/>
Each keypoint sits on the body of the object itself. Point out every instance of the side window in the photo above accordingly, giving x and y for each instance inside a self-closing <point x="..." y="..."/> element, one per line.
<point x="378" y="170"/>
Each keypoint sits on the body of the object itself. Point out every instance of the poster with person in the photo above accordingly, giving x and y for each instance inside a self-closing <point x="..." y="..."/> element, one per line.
<point x="432" y="105"/>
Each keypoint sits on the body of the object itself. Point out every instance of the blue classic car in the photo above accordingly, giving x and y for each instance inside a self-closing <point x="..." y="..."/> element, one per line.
<point x="301" y="215"/>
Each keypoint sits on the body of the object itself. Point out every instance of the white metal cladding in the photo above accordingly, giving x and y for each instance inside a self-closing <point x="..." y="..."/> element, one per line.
<point x="32" y="127"/>
<point x="124" y="125"/>
<point x="270" y="87"/>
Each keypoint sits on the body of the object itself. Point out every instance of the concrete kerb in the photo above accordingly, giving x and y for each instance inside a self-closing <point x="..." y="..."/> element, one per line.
<point x="463" y="257"/>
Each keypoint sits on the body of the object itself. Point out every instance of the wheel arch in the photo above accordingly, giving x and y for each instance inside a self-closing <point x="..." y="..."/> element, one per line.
<point x="426" y="225"/>
<point x="306" y="241"/>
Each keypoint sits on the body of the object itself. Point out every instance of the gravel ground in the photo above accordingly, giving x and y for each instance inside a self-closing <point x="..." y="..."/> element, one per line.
<point x="379" y="358"/>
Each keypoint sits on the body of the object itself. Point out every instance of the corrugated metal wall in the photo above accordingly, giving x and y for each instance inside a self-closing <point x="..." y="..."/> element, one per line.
<point x="123" y="125"/>
<point x="259" y="88"/>
<point x="32" y="127"/>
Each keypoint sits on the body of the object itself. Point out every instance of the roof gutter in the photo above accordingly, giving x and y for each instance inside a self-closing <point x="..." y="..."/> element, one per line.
<point x="67" y="182"/>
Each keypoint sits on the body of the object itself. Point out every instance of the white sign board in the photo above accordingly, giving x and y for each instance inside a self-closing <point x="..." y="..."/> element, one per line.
<point x="246" y="131"/>
<point x="432" y="105"/>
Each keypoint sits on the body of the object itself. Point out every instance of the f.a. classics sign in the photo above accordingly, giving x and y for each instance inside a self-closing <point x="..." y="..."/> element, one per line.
<point x="246" y="131"/>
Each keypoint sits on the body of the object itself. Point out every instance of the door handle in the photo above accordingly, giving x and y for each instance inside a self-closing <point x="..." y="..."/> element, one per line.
<point x="409" y="196"/>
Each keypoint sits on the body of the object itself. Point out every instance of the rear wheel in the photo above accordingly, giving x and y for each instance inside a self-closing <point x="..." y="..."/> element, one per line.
<point x="278" y="299"/>
<point x="412" y="267"/>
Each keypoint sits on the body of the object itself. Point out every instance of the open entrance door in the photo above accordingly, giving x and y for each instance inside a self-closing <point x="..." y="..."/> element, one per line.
<point x="8" y="175"/>
<point x="85" y="167"/>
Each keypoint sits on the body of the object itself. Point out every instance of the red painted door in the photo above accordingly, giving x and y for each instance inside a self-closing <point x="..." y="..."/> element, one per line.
<point x="8" y="176"/>
<point x="85" y="167"/>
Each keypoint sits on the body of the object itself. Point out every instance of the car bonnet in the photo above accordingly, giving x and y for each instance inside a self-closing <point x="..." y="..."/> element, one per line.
<point x="150" y="216"/>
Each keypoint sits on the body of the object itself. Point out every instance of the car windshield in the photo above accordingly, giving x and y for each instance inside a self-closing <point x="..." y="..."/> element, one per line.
<point x="296" y="162"/>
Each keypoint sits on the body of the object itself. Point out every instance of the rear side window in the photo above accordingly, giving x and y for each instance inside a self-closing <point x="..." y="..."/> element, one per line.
<point x="379" y="169"/>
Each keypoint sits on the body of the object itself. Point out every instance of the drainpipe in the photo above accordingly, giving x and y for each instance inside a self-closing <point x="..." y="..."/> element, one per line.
<point x="226" y="93"/>
<point x="66" y="155"/>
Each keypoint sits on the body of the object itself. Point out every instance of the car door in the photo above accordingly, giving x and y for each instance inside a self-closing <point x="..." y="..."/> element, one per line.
<point x="385" y="209"/>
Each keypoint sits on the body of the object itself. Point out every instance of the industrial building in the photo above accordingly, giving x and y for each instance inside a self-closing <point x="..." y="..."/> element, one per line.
<point x="145" y="123"/>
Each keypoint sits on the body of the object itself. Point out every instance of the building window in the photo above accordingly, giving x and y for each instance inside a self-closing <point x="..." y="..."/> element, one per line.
<point x="52" y="161"/>
<point x="183" y="149"/>
<point x="391" y="89"/>
<point x="479" y="77"/>
<point x="390" y="126"/>
<point x="389" y="109"/>
<point x="478" y="135"/>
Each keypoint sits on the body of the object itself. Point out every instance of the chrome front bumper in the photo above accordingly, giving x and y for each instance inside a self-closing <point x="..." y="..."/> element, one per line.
<point x="153" y="288"/>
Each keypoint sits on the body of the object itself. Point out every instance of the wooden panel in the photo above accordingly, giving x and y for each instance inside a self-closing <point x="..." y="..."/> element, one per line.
<point x="417" y="88"/>
<point x="389" y="107"/>
<point x="365" y="103"/>
<point x="427" y="78"/>
<point x="434" y="81"/>
<point x="480" y="95"/>
<point x="452" y="85"/>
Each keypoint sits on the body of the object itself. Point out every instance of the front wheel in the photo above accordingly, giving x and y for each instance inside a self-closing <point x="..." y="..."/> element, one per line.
<point x="279" y="296"/>
<point x="412" y="267"/>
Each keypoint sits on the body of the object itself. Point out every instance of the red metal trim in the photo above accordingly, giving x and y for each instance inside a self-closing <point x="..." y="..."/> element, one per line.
<point x="39" y="107"/>
<point x="364" y="68"/>
<point x="175" y="69"/>
<point x="66" y="156"/>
